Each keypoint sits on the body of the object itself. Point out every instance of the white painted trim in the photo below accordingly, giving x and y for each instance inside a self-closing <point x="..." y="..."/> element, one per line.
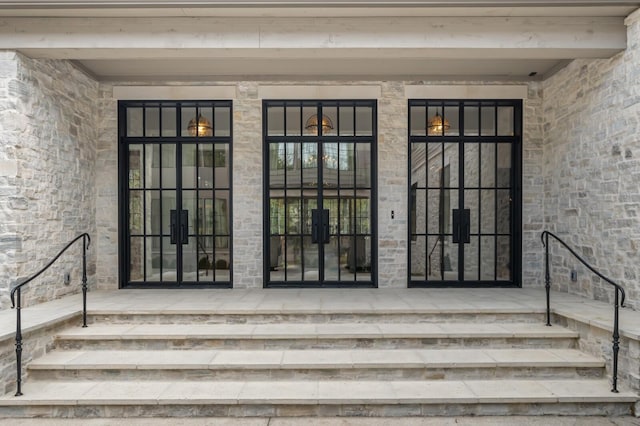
<point x="174" y="92"/>
<point x="466" y="92"/>
<point x="632" y="18"/>
<point x="319" y="92"/>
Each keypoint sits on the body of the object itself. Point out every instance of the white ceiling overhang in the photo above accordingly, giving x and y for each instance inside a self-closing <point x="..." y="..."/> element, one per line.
<point x="205" y="40"/>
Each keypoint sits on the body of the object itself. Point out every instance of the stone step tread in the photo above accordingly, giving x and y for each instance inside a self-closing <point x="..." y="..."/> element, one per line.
<point x="314" y="358"/>
<point x="316" y="392"/>
<point x="314" y="331"/>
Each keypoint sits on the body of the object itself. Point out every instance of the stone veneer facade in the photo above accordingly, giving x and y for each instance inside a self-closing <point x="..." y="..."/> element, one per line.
<point x="58" y="172"/>
<point x="48" y="116"/>
<point x="591" y="169"/>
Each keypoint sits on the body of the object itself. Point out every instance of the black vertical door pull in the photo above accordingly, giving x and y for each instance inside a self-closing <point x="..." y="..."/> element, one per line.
<point x="315" y="231"/>
<point x="173" y="226"/>
<point x="456" y="226"/>
<point x="466" y="228"/>
<point x="184" y="226"/>
<point x="325" y="226"/>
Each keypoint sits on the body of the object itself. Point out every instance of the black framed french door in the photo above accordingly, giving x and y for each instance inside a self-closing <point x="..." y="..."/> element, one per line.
<point x="320" y="193"/>
<point x="175" y="193"/>
<point x="465" y="192"/>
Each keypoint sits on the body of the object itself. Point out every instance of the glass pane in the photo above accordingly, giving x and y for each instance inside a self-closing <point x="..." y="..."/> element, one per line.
<point x="488" y="165"/>
<point x="471" y="121"/>
<point x="505" y="121"/>
<point x="488" y="212"/>
<point x="418" y="258"/>
<point x="221" y="220"/>
<point x="136" y="259"/>
<point x="488" y="117"/>
<point x="311" y="126"/>
<point x="276" y="216"/>
<point x="346" y="121"/>
<point x="275" y="121"/>
<point x="310" y="260"/>
<point x="204" y="126"/>
<point x="190" y="261"/>
<point x="276" y="165"/>
<point x="206" y="261"/>
<point x="450" y="202"/>
<point x="168" y="166"/>
<point x="503" y="211"/>
<point x="449" y="259"/>
<point x="222" y="121"/>
<point x="294" y="165"/>
<point x="169" y="261"/>
<point x="310" y="164"/>
<point x="436" y="209"/>
<point x="152" y="164"/>
<point x="153" y="258"/>
<point x="168" y="204"/>
<point x="346" y="209"/>
<point x="421" y="211"/>
<point x="435" y="169"/>
<point x="222" y="263"/>
<point x="152" y="122"/>
<point x="293" y="121"/>
<point x="189" y="169"/>
<point x="436" y="125"/>
<point x="169" y="122"/>
<point x="153" y="215"/>
<point x="419" y="163"/>
<point x="205" y="178"/>
<point x="363" y="165"/>
<point x="488" y="258"/>
<point x="135" y="166"/>
<point x="205" y="215"/>
<point x="189" y="205"/>
<point x="418" y="117"/>
<point x="435" y="260"/>
<point x="364" y="121"/>
<point x="294" y="213"/>
<point x="363" y="214"/>
<point x="471" y="257"/>
<point x="504" y="165"/>
<point x="134" y="122"/>
<point x="330" y="159"/>
<point x="451" y="121"/>
<point x="503" y="260"/>
<point x="347" y="159"/>
<point x="188" y="119"/>
<point x="451" y="170"/>
<point x="471" y="165"/>
<point x="332" y="260"/>
<point x="472" y="202"/>
<point x="135" y="212"/>
<point x="308" y="205"/>
<point x="359" y="254"/>
<point x="331" y="113"/>
<point x="294" y="258"/>
<point x="221" y="163"/>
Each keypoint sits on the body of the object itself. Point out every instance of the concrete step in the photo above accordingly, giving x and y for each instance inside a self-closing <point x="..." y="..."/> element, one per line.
<point x="314" y="364"/>
<point x="328" y="336"/>
<point x="314" y="398"/>
<point x="302" y="314"/>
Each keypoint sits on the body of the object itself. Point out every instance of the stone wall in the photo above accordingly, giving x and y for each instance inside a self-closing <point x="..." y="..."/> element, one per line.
<point x="393" y="178"/>
<point x="592" y="169"/>
<point x="47" y="172"/>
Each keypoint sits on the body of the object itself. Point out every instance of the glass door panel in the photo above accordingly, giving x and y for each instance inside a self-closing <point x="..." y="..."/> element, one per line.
<point x="462" y="192"/>
<point x="176" y="207"/>
<point x="319" y="194"/>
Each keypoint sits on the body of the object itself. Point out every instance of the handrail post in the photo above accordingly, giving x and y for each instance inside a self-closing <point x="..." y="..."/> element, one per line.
<point x="547" y="278"/>
<point x="84" y="281"/>
<point x="19" y="345"/>
<point x="616" y="345"/>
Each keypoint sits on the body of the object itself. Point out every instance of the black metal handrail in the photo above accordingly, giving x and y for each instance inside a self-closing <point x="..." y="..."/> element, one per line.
<point x="86" y="241"/>
<point x="619" y="301"/>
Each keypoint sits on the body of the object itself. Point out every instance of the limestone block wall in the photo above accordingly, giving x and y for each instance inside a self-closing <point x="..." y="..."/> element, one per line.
<point x="393" y="175"/>
<point x="592" y="169"/>
<point x="48" y="119"/>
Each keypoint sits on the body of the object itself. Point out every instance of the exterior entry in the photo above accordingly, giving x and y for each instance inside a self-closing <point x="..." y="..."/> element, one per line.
<point x="320" y="193"/>
<point x="465" y="193"/>
<point x="175" y="194"/>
